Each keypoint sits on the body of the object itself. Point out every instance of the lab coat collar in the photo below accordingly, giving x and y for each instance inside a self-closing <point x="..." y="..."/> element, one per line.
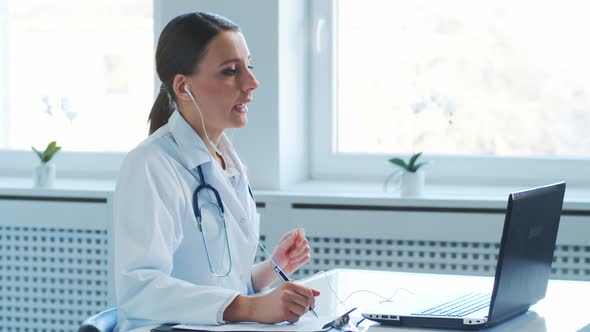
<point x="195" y="153"/>
<point x="229" y="152"/>
<point x="191" y="145"/>
<point x="235" y="200"/>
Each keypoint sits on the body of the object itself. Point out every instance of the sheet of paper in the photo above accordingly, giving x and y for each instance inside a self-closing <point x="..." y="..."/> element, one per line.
<point x="305" y="324"/>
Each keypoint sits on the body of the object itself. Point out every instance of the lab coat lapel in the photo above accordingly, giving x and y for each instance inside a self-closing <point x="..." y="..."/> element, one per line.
<point x="241" y="187"/>
<point x="229" y="197"/>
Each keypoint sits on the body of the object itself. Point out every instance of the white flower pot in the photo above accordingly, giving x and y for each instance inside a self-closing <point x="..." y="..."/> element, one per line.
<point x="412" y="184"/>
<point x="44" y="175"/>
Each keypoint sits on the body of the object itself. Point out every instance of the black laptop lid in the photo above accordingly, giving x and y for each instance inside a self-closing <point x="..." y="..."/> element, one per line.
<point x="526" y="250"/>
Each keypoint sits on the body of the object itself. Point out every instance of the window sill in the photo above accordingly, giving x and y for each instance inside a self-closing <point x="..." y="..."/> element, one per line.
<point x="326" y="192"/>
<point x="436" y="195"/>
<point x="64" y="187"/>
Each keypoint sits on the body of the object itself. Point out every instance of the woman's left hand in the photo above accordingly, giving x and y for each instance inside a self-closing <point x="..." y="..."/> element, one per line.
<point x="292" y="251"/>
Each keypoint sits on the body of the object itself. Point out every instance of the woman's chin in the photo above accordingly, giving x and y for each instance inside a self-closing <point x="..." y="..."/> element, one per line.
<point x="239" y="122"/>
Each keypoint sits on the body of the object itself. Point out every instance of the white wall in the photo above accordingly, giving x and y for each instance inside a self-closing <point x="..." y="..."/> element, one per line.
<point x="4" y="92"/>
<point x="273" y="145"/>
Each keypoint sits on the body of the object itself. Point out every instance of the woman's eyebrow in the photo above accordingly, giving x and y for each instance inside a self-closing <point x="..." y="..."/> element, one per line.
<point x="233" y="60"/>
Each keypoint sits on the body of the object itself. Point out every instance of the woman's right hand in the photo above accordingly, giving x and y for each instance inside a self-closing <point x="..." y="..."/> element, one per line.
<point x="288" y="302"/>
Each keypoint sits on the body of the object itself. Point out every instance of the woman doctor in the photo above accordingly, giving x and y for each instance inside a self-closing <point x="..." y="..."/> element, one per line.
<point x="186" y="227"/>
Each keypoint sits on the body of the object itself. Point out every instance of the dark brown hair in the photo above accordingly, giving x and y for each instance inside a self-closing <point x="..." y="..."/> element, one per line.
<point x="181" y="47"/>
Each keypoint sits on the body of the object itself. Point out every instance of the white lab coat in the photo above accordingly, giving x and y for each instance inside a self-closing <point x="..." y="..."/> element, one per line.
<point x="161" y="270"/>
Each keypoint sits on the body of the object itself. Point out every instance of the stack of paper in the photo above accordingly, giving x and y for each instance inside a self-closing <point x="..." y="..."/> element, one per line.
<point x="305" y="324"/>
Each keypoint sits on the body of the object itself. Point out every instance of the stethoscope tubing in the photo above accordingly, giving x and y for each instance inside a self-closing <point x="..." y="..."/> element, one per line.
<point x="202" y="187"/>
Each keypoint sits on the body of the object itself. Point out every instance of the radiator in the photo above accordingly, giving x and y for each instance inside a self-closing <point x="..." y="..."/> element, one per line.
<point x="51" y="278"/>
<point x="453" y="257"/>
<point x="56" y="254"/>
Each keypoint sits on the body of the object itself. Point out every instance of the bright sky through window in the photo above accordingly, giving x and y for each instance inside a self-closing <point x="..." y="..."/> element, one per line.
<point x="459" y="77"/>
<point x="78" y="72"/>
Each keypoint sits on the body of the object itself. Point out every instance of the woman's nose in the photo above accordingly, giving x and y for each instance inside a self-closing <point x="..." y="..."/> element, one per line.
<point x="251" y="83"/>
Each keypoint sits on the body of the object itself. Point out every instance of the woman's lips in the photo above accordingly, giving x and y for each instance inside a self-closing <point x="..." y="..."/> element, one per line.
<point x="241" y="108"/>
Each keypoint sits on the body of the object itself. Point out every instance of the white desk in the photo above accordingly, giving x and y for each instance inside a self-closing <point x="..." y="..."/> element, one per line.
<point x="565" y="307"/>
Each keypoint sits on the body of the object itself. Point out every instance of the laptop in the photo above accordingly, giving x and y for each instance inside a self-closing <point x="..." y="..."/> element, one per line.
<point x="522" y="271"/>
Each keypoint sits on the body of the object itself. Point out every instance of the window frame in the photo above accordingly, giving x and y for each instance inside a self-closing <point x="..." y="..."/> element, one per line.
<point x="327" y="164"/>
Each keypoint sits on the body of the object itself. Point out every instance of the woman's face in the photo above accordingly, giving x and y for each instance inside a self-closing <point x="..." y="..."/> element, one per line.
<point x="223" y="82"/>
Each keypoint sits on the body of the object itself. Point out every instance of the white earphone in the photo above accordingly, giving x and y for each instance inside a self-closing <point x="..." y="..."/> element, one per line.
<point x="202" y="121"/>
<point x="188" y="91"/>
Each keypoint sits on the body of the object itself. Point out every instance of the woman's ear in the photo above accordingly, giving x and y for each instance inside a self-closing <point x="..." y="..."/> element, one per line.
<point x="179" y="84"/>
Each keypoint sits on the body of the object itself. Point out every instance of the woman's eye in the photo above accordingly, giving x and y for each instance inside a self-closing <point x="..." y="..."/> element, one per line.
<point x="234" y="71"/>
<point x="230" y="71"/>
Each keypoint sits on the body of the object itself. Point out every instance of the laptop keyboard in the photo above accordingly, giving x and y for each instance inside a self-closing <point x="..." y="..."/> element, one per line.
<point x="462" y="306"/>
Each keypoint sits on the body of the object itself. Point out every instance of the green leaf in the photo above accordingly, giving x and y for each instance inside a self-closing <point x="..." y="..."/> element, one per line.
<point x="53" y="152"/>
<point x="50" y="151"/>
<point x="51" y="145"/>
<point x="39" y="154"/>
<point x="399" y="162"/>
<point x="413" y="160"/>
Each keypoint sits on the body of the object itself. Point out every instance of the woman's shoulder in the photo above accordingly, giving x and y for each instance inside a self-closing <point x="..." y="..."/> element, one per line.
<point x="157" y="149"/>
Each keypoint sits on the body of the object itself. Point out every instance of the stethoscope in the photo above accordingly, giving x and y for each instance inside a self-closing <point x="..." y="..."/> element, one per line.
<point x="218" y="207"/>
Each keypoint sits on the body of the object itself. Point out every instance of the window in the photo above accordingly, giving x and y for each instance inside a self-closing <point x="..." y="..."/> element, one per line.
<point x="77" y="72"/>
<point x="479" y="87"/>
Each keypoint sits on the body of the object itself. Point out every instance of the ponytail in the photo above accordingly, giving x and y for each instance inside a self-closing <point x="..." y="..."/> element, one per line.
<point x="162" y="110"/>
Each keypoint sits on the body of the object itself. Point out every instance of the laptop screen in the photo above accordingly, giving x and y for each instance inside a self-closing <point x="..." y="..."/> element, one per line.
<point x="526" y="250"/>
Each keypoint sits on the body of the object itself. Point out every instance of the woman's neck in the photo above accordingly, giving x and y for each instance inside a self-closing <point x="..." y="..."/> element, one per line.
<point x="194" y="120"/>
<point x="220" y="160"/>
<point x="212" y="149"/>
<point x="213" y="145"/>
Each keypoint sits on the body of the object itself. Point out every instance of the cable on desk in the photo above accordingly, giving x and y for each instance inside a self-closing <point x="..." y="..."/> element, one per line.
<point x="342" y="302"/>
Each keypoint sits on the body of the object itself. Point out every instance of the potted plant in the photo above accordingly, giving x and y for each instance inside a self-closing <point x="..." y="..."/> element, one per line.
<point x="44" y="174"/>
<point x="410" y="177"/>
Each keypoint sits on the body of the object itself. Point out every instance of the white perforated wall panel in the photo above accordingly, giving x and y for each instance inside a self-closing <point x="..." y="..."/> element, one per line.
<point x="415" y="239"/>
<point x="571" y="262"/>
<point x="51" y="278"/>
<point x="260" y="255"/>
<point x="472" y="258"/>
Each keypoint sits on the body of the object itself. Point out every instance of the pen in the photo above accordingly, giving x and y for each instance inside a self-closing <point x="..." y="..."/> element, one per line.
<point x="280" y="272"/>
